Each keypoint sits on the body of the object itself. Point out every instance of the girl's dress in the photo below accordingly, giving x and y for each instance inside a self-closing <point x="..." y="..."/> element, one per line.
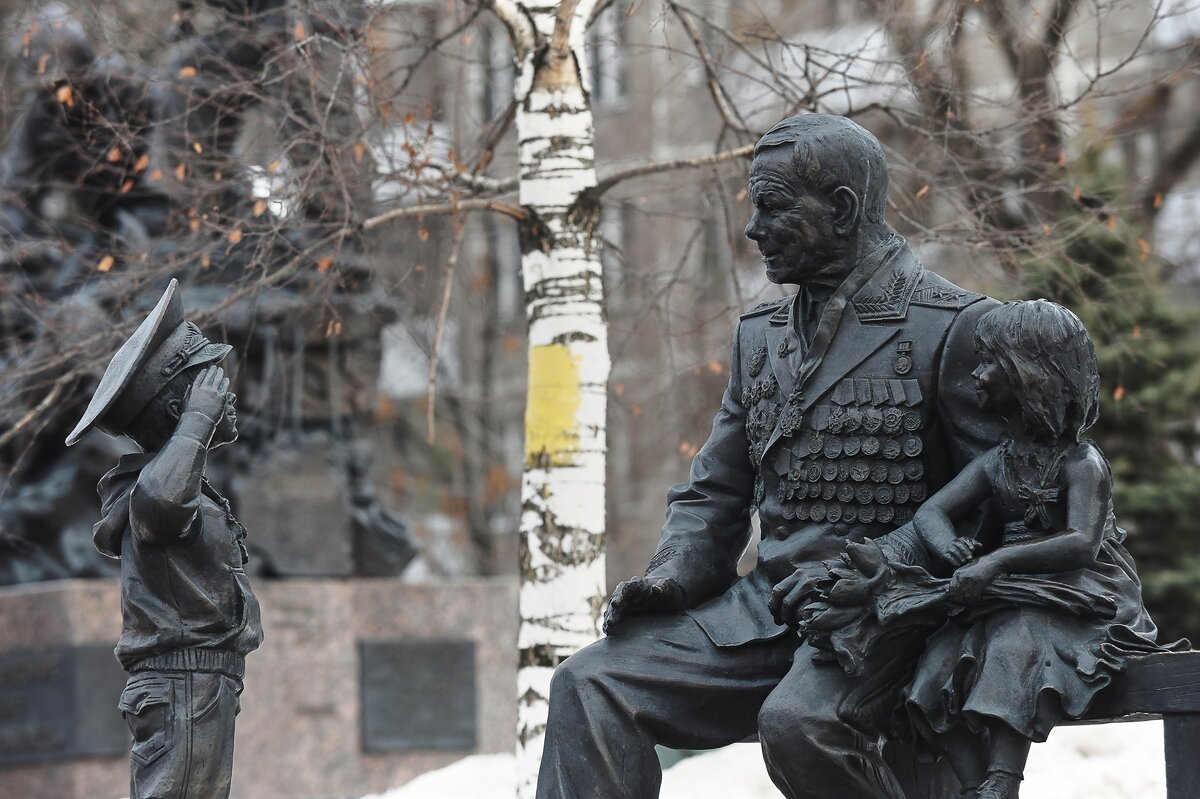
<point x="1030" y="667"/>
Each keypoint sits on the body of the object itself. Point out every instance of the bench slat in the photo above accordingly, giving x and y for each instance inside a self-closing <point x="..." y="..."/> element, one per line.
<point x="1160" y="684"/>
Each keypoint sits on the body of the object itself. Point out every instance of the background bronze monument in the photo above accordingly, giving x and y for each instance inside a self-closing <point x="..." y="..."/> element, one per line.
<point x="190" y="616"/>
<point x="107" y="161"/>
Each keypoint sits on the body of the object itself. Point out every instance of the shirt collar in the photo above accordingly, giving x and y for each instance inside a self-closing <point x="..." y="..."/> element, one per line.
<point x="871" y="263"/>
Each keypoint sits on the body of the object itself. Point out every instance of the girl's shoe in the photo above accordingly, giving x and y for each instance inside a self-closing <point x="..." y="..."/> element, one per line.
<point x="1000" y="785"/>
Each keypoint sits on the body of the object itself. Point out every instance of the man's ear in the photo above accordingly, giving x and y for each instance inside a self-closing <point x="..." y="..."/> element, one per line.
<point x="175" y="408"/>
<point x="846" y="209"/>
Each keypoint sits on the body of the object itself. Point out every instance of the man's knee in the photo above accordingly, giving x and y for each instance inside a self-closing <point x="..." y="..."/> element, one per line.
<point x="579" y="674"/>
<point x="779" y="721"/>
<point x="790" y="727"/>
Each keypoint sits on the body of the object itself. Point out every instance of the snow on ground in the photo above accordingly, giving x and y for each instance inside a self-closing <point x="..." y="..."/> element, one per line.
<point x="1105" y="761"/>
<point x="478" y="777"/>
<point x="1110" y="761"/>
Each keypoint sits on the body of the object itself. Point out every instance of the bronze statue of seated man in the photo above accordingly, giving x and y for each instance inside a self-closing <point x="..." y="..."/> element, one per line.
<point x="848" y="404"/>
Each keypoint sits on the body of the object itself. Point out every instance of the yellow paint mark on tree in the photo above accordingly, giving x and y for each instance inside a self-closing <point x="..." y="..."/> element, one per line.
<point x="551" y="430"/>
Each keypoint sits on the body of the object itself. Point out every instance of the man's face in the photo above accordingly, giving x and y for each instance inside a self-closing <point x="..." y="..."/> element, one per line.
<point x="792" y="224"/>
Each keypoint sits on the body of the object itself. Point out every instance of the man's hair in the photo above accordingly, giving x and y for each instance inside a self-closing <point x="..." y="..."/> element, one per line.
<point x="831" y="151"/>
<point x="154" y="424"/>
<point x="1050" y="361"/>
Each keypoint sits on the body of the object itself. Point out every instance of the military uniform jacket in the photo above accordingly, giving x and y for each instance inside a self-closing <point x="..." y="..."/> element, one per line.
<point x="833" y="440"/>
<point x="183" y="584"/>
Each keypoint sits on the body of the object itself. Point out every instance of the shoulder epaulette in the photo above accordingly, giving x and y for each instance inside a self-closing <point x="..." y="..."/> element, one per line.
<point x="893" y="298"/>
<point x="763" y="307"/>
<point x="937" y="292"/>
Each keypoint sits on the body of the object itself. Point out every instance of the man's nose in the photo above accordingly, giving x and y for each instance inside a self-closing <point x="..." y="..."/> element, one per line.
<point x="754" y="230"/>
<point x="978" y="372"/>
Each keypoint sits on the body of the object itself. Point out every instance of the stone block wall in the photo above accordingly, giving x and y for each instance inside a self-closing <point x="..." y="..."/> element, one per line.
<point x="441" y="660"/>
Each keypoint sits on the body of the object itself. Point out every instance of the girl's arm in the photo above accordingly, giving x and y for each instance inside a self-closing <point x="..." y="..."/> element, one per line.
<point x="934" y="520"/>
<point x="1089" y="488"/>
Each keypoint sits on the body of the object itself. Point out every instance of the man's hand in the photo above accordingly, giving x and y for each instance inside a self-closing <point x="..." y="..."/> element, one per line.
<point x="208" y="394"/>
<point x="969" y="582"/>
<point x="959" y="551"/>
<point x="643" y="596"/>
<point x="790" y="595"/>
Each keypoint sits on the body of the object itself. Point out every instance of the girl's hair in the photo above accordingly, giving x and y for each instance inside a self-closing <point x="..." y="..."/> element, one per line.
<point x="1051" y="365"/>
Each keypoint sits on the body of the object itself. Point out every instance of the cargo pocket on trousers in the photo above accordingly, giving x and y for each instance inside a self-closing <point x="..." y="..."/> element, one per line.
<point x="224" y="693"/>
<point x="147" y="706"/>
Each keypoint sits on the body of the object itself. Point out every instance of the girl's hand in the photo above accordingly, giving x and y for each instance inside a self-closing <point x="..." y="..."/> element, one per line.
<point x="959" y="551"/>
<point x="969" y="581"/>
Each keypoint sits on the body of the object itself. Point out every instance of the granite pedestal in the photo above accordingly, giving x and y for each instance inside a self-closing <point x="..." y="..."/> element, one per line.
<point x="329" y="699"/>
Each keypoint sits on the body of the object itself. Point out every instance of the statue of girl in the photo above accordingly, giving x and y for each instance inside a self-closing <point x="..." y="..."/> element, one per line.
<point x="1033" y="629"/>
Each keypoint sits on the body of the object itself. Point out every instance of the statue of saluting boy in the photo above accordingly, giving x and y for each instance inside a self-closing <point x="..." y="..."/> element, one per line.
<point x="190" y="616"/>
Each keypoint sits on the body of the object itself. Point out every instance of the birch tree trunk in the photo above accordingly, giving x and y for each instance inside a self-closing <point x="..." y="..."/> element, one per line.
<point x="562" y="513"/>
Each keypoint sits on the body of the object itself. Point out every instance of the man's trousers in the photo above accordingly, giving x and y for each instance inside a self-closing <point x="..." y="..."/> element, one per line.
<point x="661" y="680"/>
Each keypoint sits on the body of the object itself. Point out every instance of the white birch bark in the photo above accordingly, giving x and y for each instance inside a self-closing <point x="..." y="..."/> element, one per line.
<point x="562" y="519"/>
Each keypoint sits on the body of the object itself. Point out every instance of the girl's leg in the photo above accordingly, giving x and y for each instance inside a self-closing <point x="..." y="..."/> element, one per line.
<point x="1009" y="751"/>
<point x="968" y="756"/>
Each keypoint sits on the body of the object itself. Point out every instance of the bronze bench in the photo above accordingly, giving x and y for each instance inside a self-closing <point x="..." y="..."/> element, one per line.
<point x="1165" y="686"/>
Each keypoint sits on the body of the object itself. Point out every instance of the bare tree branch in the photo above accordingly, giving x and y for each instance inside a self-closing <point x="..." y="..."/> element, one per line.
<point x="1006" y="35"/>
<point x="521" y="29"/>
<point x="1171" y="170"/>
<point x="418" y="211"/>
<point x="36" y="412"/>
<point x="1032" y="63"/>
<point x="496" y="130"/>
<point x="606" y="183"/>
<point x="436" y="47"/>
<point x="485" y="184"/>
<point x="1056" y="27"/>
<point x="720" y="97"/>
<point x="460" y="228"/>
<point x="600" y="8"/>
<point x="564" y="17"/>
